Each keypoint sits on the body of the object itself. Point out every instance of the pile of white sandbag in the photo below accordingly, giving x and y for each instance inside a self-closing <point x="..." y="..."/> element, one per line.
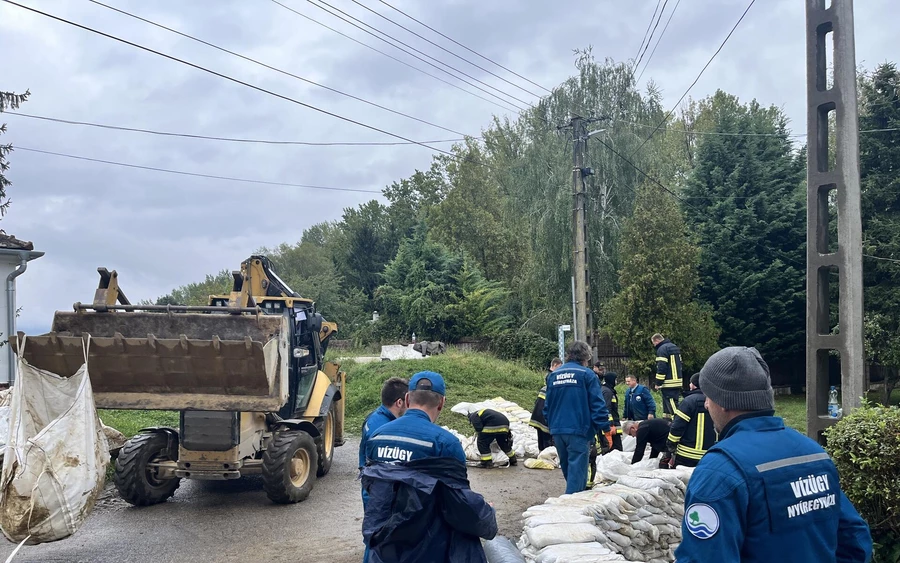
<point x="524" y="436"/>
<point x="634" y="513"/>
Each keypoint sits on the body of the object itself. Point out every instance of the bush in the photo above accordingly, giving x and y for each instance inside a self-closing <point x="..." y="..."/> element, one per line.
<point x="865" y="446"/>
<point x="529" y="347"/>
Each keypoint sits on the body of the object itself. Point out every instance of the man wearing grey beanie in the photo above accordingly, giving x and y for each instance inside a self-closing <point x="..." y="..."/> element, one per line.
<point x="763" y="492"/>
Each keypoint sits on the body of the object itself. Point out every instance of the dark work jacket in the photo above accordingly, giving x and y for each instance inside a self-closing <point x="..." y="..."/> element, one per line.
<point x="654" y="432"/>
<point x="668" y="365"/>
<point x="612" y="403"/>
<point x="489" y="421"/>
<point x="423" y="511"/>
<point x="692" y="432"/>
<point x="537" y="414"/>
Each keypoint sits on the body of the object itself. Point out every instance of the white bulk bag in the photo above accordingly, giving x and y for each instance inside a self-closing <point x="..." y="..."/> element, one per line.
<point x="54" y="465"/>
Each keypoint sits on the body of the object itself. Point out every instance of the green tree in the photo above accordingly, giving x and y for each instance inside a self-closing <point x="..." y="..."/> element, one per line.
<point x="745" y="203"/>
<point x="9" y="100"/>
<point x="198" y="293"/>
<point x="879" y="155"/>
<point x="658" y="281"/>
<point x="366" y="241"/>
<point x="472" y="216"/>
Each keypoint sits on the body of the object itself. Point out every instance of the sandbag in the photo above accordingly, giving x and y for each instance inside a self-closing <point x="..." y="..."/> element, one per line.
<point x="531" y="463"/>
<point x="552" y="534"/>
<point x="501" y="550"/>
<point x="54" y="466"/>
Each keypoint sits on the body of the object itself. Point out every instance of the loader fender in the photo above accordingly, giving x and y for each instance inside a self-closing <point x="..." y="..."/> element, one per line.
<point x="297" y="424"/>
<point x="171" y="434"/>
<point x="331" y="395"/>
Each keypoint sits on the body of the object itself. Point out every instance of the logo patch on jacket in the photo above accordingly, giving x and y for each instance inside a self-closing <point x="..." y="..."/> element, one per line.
<point x="701" y="521"/>
<point x="638" y="398"/>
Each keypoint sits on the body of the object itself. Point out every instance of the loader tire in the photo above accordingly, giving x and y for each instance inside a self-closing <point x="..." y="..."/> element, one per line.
<point x="325" y="443"/>
<point x="288" y="467"/>
<point x="136" y="483"/>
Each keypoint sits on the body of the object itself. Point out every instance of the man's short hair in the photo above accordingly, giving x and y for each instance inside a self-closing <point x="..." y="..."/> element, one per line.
<point x="599" y="364"/>
<point x="628" y="425"/>
<point x="394" y="388"/>
<point x="631" y="376"/>
<point x="579" y="352"/>
<point x="656" y="337"/>
<point x="556" y="361"/>
<point x="427" y="399"/>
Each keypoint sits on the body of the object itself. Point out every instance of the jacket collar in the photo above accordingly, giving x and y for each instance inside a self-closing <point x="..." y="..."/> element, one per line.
<point x="423" y="473"/>
<point x="417" y="413"/>
<point x="386" y="412"/>
<point x="694" y="392"/>
<point x="664" y="341"/>
<point x="758" y="421"/>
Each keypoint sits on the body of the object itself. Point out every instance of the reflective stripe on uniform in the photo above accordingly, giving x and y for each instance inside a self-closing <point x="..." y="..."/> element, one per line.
<point x="690" y="453"/>
<point x="387" y="437"/>
<point x="788" y="462"/>
<point x="542" y="395"/>
<point x="675" y="375"/>
<point x="661" y="359"/>
<point x="495" y="429"/>
<point x="539" y="426"/>
<point x="701" y="430"/>
<point x="674" y="439"/>
<point x="682" y="415"/>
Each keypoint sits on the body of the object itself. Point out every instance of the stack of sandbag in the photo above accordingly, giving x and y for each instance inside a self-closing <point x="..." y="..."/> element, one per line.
<point x="524" y="436"/>
<point x="547" y="459"/>
<point x="634" y="513"/>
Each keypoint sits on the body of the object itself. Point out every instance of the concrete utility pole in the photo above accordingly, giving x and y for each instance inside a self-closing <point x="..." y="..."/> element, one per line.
<point x="843" y="179"/>
<point x="583" y="320"/>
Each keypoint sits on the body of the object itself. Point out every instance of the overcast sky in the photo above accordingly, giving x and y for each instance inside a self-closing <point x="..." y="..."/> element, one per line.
<point x="161" y="230"/>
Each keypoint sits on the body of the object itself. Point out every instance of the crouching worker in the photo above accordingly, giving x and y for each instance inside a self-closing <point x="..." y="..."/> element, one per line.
<point x="654" y="432"/>
<point x="420" y="506"/>
<point x="491" y="426"/>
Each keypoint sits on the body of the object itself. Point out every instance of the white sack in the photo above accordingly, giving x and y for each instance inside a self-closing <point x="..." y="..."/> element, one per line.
<point x="552" y="534"/>
<point x="54" y="466"/>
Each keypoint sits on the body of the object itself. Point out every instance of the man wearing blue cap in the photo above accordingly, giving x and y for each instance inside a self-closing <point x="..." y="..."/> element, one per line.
<point x="420" y="506"/>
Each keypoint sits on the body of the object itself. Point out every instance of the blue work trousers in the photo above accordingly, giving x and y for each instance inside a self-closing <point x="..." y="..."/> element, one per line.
<point x="365" y="499"/>
<point x="573" y="459"/>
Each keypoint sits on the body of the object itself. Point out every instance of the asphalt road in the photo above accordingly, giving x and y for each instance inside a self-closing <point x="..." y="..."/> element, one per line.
<point x="235" y="521"/>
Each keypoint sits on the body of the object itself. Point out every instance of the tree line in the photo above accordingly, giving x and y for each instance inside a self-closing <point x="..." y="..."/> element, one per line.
<point x="697" y="228"/>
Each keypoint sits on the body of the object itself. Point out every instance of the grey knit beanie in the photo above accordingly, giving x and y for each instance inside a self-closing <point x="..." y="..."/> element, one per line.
<point x="737" y="378"/>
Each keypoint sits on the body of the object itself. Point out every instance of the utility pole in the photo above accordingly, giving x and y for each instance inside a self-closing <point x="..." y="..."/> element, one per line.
<point x="583" y="321"/>
<point x="843" y="179"/>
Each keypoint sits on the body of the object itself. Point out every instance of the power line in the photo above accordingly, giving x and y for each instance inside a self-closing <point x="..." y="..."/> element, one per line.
<point x="183" y="173"/>
<point x="235" y="80"/>
<point x="728" y="134"/>
<point x="464" y="47"/>
<point x="652" y="33"/>
<point x="669" y="114"/>
<point x="641" y="46"/>
<point x="658" y="39"/>
<point x="677" y="197"/>
<point x="392" y="57"/>
<point x="228" y="139"/>
<point x="401" y="26"/>
<point x="322" y="5"/>
<point x="880" y="258"/>
<point x="286" y="73"/>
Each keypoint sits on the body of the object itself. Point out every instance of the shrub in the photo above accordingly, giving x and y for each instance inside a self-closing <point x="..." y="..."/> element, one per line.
<point x="865" y="446"/>
<point x="531" y="348"/>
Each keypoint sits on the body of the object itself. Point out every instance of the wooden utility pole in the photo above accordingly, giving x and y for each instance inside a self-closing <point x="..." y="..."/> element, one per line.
<point x="583" y="324"/>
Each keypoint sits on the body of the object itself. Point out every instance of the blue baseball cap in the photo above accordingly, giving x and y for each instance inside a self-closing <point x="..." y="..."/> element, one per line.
<point x="427" y="381"/>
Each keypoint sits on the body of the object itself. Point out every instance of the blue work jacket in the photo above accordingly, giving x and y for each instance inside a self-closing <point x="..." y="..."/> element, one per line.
<point x="379" y="417"/>
<point x="410" y="437"/>
<point x="767" y="493"/>
<point x="638" y="403"/>
<point x="574" y="402"/>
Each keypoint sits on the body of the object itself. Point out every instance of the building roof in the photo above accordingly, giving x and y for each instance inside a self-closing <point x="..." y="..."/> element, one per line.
<point x="11" y="242"/>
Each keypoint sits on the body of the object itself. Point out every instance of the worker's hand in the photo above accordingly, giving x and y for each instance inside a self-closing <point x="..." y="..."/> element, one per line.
<point x="672" y="462"/>
<point x="651" y="415"/>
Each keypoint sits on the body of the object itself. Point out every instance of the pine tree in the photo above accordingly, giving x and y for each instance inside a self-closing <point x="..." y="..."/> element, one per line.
<point x="7" y="100"/>
<point x="879" y="154"/>
<point x="745" y="204"/>
<point x="658" y="281"/>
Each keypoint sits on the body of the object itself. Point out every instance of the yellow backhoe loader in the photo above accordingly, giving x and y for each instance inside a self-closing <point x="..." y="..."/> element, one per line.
<point x="246" y="373"/>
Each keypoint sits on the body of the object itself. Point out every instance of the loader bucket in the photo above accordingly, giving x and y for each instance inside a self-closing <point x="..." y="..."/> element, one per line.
<point x="169" y="361"/>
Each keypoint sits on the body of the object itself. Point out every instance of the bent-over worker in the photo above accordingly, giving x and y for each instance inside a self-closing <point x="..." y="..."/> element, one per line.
<point x="491" y="426"/>
<point x="654" y="432"/>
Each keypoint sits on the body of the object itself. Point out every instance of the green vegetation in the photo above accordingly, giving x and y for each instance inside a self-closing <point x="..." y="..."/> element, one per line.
<point x="129" y="422"/>
<point x="469" y="376"/>
<point x="865" y="446"/>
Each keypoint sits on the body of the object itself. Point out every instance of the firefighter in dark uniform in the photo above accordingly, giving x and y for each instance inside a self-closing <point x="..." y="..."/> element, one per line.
<point x="492" y="425"/>
<point x="668" y="373"/>
<point x="538" y="422"/>
<point x="612" y="401"/>
<point x="692" y="432"/>
<point x="654" y="432"/>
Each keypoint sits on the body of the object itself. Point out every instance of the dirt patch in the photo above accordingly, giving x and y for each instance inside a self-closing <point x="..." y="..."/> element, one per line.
<point x="513" y="490"/>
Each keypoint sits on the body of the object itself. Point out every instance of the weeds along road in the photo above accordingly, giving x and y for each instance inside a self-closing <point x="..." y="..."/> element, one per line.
<point x="234" y="521"/>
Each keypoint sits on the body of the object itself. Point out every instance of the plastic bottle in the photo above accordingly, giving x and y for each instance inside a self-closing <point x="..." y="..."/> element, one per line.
<point x="833" y="404"/>
<point x="414" y="338"/>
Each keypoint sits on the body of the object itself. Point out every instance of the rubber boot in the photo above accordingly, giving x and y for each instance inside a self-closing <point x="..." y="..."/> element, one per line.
<point x="486" y="464"/>
<point x="512" y="459"/>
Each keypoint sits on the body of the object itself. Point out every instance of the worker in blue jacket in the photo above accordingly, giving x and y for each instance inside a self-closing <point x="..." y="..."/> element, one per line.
<point x="639" y="403"/>
<point x="393" y="406"/>
<point x="420" y="506"/>
<point x="763" y="492"/>
<point x="575" y="412"/>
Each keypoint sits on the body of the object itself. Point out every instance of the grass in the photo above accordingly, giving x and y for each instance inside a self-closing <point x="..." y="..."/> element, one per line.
<point x="129" y="422"/>
<point x="470" y="376"/>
